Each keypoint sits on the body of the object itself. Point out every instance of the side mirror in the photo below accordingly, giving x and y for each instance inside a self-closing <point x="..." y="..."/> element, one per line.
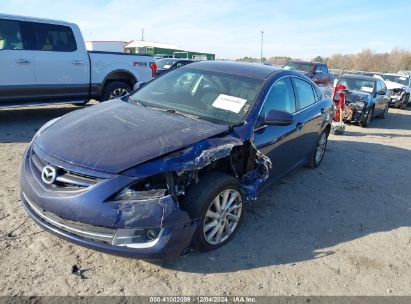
<point x="381" y="92"/>
<point x="278" y="118"/>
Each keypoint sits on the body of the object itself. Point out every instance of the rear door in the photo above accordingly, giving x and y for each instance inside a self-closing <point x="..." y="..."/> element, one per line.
<point x="380" y="100"/>
<point x="280" y="143"/>
<point x="310" y="115"/>
<point x="61" y="65"/>
<point x="17" y="76"/>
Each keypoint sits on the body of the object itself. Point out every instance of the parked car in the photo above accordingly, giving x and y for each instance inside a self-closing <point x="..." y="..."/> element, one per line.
<point x="169" y="64"/>
<point x="44" y="61"/>
<point x="171" y="166"/>
<point x="367" y="97"/>
<point x="318" y="72"/>
<point x="400" y="87"/>
<point x="371" y="74"/>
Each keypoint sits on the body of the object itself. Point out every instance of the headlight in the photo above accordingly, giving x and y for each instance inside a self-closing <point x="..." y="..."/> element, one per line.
<point x="129" y="194"/>
<point x="153" y="187"/>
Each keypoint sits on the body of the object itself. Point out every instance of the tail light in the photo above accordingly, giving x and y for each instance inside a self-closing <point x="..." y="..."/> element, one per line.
<point x="153" y="67"/>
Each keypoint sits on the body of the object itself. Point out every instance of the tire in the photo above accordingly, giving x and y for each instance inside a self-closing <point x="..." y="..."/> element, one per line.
<point x="200" y="199"/>
<point x="403" y="106"/>
<point x="366" y="122"/>
<point x="318" y="153"/>
<point x="384" y="114"/>
<point x="115" y="89"/>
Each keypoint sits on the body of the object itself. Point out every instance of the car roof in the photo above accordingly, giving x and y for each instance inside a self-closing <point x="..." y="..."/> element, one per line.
<point x="253" y="70"/>
<point x="356" y="76"/>
<point x="34" y="19"/>
<point x="396" y="74"/>
<point x="306" y="62"/>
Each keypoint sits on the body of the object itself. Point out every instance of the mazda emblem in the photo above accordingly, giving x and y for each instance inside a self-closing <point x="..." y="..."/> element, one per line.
<point x="49" y="175"/>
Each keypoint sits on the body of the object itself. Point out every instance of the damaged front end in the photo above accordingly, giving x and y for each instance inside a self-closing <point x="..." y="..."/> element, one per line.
<point x="398" y="97"/>
<point x="356" y="108"/>
<point x="140" y="211"/>
<point x="227" y="154"/>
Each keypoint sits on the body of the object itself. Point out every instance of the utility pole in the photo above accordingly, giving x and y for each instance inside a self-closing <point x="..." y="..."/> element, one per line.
<point x="142" y="35"/>
<point x="262" y="40"/>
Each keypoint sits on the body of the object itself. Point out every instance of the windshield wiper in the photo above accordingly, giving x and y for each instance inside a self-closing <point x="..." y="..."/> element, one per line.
<point x="182" y="114"/>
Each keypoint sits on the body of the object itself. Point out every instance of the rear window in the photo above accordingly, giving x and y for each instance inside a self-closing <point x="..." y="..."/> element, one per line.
<point x="54" y="38"/>
<point x="304" y="92"/>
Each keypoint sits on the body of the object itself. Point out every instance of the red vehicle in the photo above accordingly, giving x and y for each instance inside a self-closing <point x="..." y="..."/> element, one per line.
<point x="317" y="71"/>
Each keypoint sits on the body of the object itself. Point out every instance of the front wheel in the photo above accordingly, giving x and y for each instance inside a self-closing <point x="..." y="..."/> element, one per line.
<point x="217" y="203"/>
<point x="319" y="151"/>
<point x="367" y="120"/>
<point x="384" y="114"/>
<point x="115" y="89"/>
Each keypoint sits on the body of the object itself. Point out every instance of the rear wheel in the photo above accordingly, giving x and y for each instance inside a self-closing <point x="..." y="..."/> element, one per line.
<point x="115" y="89"/>
<point x="319" y="151"/>
<point x="216" y="201"/>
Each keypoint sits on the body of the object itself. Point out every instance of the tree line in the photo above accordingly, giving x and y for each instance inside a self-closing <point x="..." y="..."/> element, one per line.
<point x="366" y="60"/>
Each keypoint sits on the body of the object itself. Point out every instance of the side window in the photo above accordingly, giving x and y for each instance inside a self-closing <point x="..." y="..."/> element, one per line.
<point x="325" y="69"/>
<point x="318" y="93"/>
<point x="383" y="86"/>
<point x="379" y="85"/>
<point x="305" y="93"/>
<point x="56" y="38"/>
<point x="280" y="97"/>
<point x="10" y="35"/>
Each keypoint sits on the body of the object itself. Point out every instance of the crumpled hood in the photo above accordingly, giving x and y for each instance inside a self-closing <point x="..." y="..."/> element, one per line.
<point x="353" y="96"/>
<point x="115" y="135"/>
<point x="393" y="85"/>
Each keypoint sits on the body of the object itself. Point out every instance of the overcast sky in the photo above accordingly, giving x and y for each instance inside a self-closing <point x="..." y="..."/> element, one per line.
<point x="231" y="29"/>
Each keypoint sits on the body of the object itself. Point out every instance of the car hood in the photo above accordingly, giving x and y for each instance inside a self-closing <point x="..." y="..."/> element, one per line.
<point x="393" y="85"/>
<point x="115" y="135"/>
<point x="353" y="96"/>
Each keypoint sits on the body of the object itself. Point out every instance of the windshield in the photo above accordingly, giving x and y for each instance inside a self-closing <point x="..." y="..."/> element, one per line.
<point x="295" y="66"/>
<point x="165" y="63"/>
<point x="217" y="97"/>
<point x="353" y="84"/>
<point x="404" y="80"/>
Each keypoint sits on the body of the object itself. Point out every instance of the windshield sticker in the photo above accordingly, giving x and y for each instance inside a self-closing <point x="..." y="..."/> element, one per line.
<point x="229" y="103"/>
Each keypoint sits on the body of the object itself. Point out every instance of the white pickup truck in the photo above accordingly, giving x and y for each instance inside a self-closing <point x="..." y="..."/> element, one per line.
<point x="45" y="61"/>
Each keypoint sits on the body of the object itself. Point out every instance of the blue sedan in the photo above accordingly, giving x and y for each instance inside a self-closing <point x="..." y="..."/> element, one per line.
<point x="172" y="166"/>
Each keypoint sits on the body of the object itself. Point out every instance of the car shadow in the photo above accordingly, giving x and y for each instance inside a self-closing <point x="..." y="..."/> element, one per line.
<point x="18" y="125"/>
<point x="363" y="192"/>
<point x="396" y="119"/>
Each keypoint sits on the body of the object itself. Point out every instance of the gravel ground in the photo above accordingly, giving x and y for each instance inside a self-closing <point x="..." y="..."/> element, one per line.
<point x="342" y="229"/>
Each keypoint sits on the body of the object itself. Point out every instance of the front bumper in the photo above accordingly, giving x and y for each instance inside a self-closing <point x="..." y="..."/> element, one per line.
<point x="355" y="114"/>
<point x="83" y="217"/>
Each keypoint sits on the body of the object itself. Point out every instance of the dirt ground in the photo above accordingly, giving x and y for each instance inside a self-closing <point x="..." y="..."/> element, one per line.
<point x="342" y="229"/>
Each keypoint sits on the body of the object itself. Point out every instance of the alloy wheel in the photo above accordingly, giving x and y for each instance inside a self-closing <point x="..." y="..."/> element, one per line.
<point x="222" y="217"/>
<point x="120" y="92"/>
<point x="322" y="144"/>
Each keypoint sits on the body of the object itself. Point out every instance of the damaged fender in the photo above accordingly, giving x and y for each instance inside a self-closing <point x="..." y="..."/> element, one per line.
<point x="203" y="154"/>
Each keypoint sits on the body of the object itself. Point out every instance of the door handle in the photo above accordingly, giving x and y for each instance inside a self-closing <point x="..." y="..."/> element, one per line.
<point x="23" y="61"/>
<point x="78" y="62"/>
<point x="299" y="126"/>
